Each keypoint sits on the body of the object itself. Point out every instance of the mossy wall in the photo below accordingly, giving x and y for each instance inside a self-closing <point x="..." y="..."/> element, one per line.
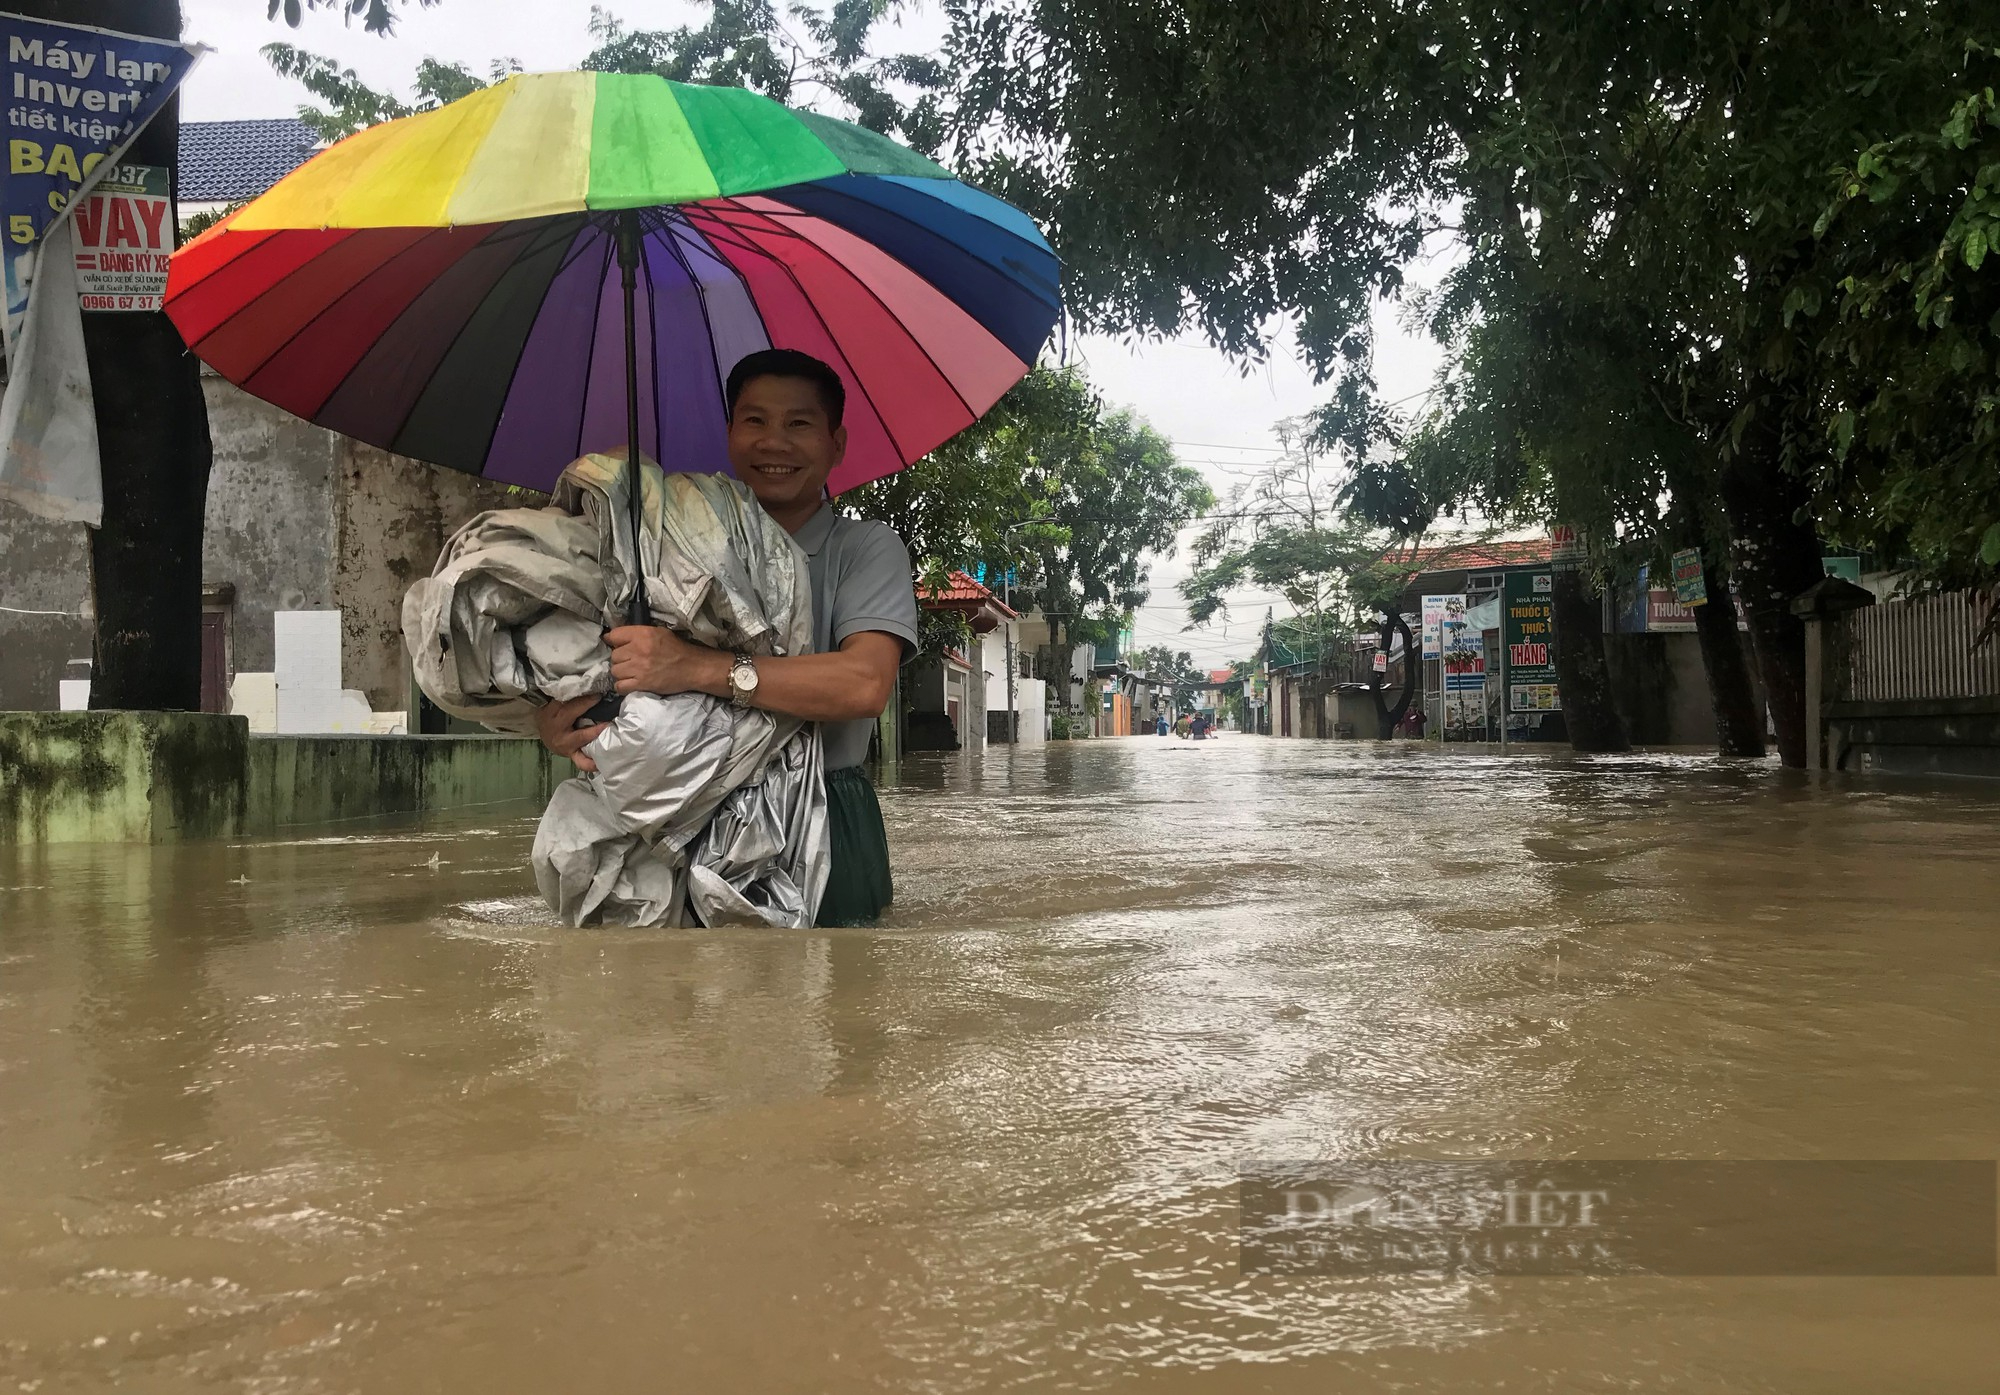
<point x="120" y="777"/>
<point x="160" y="777"/>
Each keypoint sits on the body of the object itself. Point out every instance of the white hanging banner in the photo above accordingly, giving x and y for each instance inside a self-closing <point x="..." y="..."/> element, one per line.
<point x="48" y="420"/>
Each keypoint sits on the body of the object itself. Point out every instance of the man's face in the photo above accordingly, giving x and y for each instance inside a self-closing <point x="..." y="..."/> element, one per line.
<point x="781" y="443"/>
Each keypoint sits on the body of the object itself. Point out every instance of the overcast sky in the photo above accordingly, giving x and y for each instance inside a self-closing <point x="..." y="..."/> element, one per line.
<point x="1219" y="418"/>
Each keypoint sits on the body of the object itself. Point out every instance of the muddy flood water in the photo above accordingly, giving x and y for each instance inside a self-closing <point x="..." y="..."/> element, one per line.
<point x="346" y="1114"/>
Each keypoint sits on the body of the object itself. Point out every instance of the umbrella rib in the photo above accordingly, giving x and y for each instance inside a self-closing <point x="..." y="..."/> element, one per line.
<point x="834" y="340"/>
<point x="653" y="340"/>
<point x="679" y="254"/>
<point x="328" y="308"/>
<point x="403" y="422"/>
<point x="929" y="232"/>
<point x="590" y="359"/>
<point x="736" y="207"/>
<point x="568" y="260"/>
<point x="862" y="282"/>
<point x="265" y="360"/>
<point x="870" y="292"/>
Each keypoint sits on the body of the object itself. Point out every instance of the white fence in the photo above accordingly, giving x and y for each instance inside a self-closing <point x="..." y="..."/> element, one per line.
<point x="1921" y="649"/>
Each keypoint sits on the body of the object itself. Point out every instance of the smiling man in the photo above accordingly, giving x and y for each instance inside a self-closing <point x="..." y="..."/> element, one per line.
<point x="785" y="438"/>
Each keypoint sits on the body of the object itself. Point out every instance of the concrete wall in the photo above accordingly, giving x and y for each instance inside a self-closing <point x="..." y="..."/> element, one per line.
<point x="298" y="518"/>
<point x="43" y="566"/>
<point x="391" y="519"/>
<point x="120" y="777"/>
<point x="156" y="777"/>
<point x="269" y="527"/>
<point x="1661" y="688"/>
<point x="1936" y="736"/>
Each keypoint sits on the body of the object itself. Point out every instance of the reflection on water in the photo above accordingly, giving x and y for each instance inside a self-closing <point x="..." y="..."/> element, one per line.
<point x="350" y="1114"/>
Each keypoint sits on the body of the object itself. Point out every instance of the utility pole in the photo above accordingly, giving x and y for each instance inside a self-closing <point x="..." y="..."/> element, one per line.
<point x="153" y="445"/>
<point x="1006" y="599"/>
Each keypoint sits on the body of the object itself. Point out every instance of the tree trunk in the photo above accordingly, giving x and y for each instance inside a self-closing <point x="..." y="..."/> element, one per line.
<point x="152" y="429"/>
<point x="1584" y="678"/>
<point x="1393" y="624"/>
<point x="1774" y="557"/>
<point x="1739" y="721"/>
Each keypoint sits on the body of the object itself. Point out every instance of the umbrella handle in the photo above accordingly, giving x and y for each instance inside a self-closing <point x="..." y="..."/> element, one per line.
<point x="637" y="613"/>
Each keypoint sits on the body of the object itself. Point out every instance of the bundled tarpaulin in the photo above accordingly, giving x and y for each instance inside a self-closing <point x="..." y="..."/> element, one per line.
<point x="698" y="809"/>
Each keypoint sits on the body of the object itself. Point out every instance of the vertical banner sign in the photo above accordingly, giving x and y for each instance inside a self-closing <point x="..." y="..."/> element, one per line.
<point x="1527" y="628"/>
<point x="74" y="97"/>
<point x="1433" y="623"/>
<point x="1565" y="547"/>
<point x="1464" y="671"/>
<point x="1689" y="587"/>
<point x="124" y="236"/>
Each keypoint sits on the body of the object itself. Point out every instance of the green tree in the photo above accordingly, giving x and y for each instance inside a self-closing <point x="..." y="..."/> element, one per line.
<point x="1175" y="669"/>
<point x="351" y="105"/>
<point x="1634" y="189"/>
<point x="376" y="16"/>
<point x="747" y="43"/>
<point x="1070" y="496"/>
<point x="1900" y="310"/>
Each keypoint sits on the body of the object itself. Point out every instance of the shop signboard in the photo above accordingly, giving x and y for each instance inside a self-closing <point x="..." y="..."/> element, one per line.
<point x="1565" y="547"/>
<point x="1690" y="589"/>
<point x="1436" y="611"/>
<point x="75" y="97"/>
<point x="124" y="236"/>
<point x="1528" y="631"/>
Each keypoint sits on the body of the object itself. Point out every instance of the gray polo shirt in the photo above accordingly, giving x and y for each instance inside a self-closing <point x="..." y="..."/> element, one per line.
<point x="861" y="580"/>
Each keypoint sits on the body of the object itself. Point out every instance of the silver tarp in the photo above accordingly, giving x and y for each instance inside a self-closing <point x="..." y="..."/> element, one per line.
<point x="698" y="810"/>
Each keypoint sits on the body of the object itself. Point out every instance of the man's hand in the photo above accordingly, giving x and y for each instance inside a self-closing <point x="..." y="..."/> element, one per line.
<point x="556" y="724"/>
<point x="651" y="659"/>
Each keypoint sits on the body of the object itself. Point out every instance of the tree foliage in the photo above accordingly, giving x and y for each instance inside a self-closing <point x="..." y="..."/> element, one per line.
<point x="376" y="16"/>
<point x="351" y="105"/>
<point x="1901" y="303"/>
<point x="1288" y="530"/>
<point x="807" y="51"/>
<point x="1650" y="285"/>
<point x="1174" y="669"/>
<point x="1054" y="487"/>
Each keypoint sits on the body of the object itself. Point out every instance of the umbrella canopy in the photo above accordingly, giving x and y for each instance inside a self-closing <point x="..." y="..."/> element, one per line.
<point x="447" y="286"/>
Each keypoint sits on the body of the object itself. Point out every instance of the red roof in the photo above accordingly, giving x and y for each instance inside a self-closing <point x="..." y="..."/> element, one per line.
<point x="1222" y="675"/>
<point x="1471" y="556"/>
<point x="961" y="590"/>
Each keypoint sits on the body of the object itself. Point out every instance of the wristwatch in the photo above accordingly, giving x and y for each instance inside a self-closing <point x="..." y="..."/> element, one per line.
<point x="742" y="680"/>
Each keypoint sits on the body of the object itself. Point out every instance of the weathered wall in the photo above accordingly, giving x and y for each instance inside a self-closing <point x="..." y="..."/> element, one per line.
<point x="391" y="518"/>
<point x="1917" y="736"/>
<point x="270" y="515"/>
<point x="1661" y="689"/>
<point x="158" y="777"/>
<point x="120" y="777"/>
<point x="43" y="566"/>
<point x="297" y="518"/>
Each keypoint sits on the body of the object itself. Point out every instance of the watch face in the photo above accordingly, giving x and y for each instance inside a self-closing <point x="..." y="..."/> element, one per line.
<point x="744" y="677"/>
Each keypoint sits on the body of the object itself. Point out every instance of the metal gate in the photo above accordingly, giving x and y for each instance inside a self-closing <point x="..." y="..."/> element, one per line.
<point x="1920" y="649"/>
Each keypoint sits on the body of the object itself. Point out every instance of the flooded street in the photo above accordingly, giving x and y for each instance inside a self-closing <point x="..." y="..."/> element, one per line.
<point x="346" y="1114"/>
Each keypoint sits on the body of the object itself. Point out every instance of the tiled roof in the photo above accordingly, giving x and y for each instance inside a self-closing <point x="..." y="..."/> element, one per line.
<point x="1471" y="556"/>
<point x="962" y="589"/>
<point x="223" y="161"/>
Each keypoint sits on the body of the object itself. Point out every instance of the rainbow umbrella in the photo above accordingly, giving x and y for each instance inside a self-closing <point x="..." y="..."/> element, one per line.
<point x="565" y="262"/>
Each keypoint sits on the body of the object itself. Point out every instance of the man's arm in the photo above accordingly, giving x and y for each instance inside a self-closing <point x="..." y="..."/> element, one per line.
<point x="852" y="682"/>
